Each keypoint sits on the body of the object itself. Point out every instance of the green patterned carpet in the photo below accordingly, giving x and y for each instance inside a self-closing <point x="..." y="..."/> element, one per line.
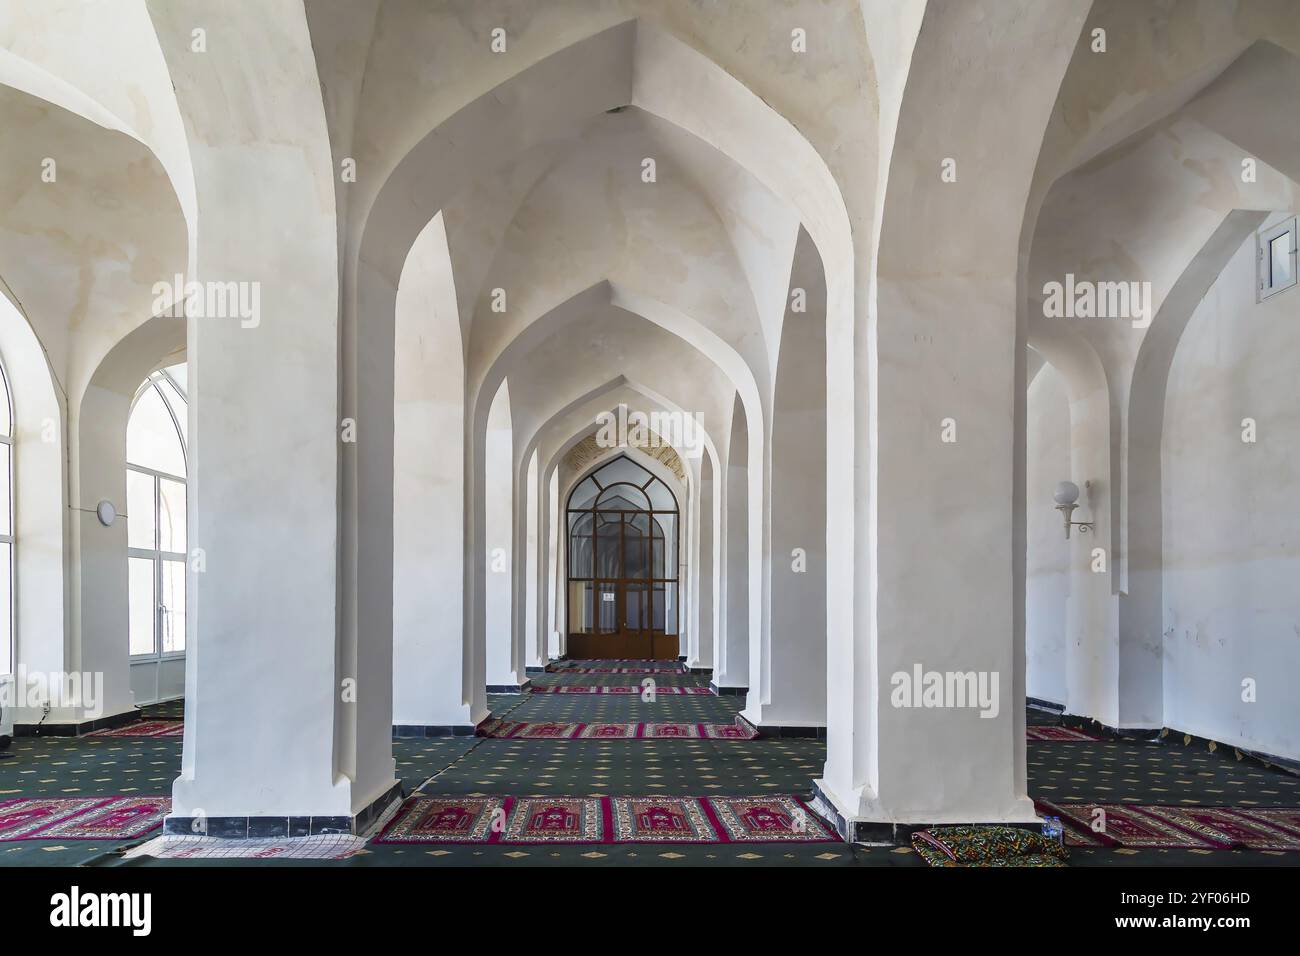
<point x="1105" y="771"/>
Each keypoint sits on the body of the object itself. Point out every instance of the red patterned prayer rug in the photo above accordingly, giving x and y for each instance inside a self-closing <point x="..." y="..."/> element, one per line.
<point x="555" y="820"/>
<point x="769" y="819"/>
<point x="1284" y="819"/>
<point x="577" y="820"/>
<point x="81" y="818"/>
<point x="740" y="730"/>
<point x="144" y="728"/>
<point x="608" y="731"/>
<point x="120" y="818"/>
<point x="1125" y="826"/>
<point x="447" y="820"/>
<point x="617" y="689"/>
<point x="1164" y="827"/>
<point x="1227" y="826"/>
<point x="23" y="816"/>
<point x="567" y="730"/>
<point x="661" y="820"/>
<point x="1058" y="733"/>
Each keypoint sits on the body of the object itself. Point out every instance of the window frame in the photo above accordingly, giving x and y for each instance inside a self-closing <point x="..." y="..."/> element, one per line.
<point x="1264" y="239"/>
<point x="671" y="575"/>
<point x="156" y="554"/>
<point x="11" y="539"/>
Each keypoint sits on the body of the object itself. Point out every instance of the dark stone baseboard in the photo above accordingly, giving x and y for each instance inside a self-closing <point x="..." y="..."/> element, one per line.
<point x="1105" y="730"/>
<point x="534" y="670"/>
<point x="76" y="730"/>
<point x="795" y="731"/>
<point x="703" y="671"/>
<point x="1039" y="704"/>
<point x="728" y="691"/>
<point x="407" y="731"/>
<point x="507" y="688"/>
<point x="899" y="834"/>
<point x="254" y="828"/>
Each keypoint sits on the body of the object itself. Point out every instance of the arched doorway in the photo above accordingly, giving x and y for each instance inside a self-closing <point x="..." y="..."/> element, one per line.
<point x="623" y="565"/>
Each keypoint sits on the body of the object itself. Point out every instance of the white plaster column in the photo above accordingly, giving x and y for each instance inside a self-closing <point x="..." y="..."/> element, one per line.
<point x="936" y="578"/>
<point x="281" y="722"/>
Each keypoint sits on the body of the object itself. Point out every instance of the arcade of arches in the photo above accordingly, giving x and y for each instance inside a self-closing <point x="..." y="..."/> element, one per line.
<point x="927" y="421"/>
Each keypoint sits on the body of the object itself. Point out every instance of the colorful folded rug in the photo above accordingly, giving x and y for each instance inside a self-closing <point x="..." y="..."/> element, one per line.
<point x="1177" y="828"/>
<point x="617" y="689"/>
<point x="987" y="846"/>
<point x="556" y="820"/>
<point x="144" y="728"/>
<point x="1058" y="733"/>
<point x="80" y="818"/>
<point x="570" y="730"/>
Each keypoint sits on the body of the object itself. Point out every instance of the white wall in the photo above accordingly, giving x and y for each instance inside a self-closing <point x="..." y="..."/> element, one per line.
<point x="1231" y="518"/>
<point x="1047" y="564"/>
<point x="158" y="680"/>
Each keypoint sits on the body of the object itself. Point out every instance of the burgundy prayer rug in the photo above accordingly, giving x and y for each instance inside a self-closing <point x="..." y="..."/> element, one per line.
<point x="769" y="819"/>
<point x="569" y="730"/>
<point x="1180" y="828"/>
<point x="555" y="820"/>
<point x="1124" y="826"/>
<point x="1228" y="826"/>
<point x="120" y="818"/>
<point x="23" y="816"/>
<point x="145" y="728"/>
<point x="578" y="820"/>
<point x="1058" y="733"/>
<point x="81" y="818"/>
<point x="447" y="820"/>
<point x="1285" y="819"/>
<point x="631" y="690"/>
<point x="661" y="820"/>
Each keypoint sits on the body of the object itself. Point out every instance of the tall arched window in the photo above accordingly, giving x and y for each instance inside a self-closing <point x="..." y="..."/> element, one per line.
<point x="6" y="526"/>
<point x="623" y="564"/>
<point x="155" y="506"/>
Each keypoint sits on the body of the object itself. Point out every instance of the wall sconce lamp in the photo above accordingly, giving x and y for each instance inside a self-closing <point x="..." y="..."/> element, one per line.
<point x="1067" y="493"/>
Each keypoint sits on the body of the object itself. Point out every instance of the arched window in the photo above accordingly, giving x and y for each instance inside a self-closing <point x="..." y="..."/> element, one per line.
<point x="623" y="564"/>
<point x="156" y="436"/>
<point x="6" y="526"/>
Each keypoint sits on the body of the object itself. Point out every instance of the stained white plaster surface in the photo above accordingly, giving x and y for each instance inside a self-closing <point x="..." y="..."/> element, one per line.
<point x="1230" y="524"/>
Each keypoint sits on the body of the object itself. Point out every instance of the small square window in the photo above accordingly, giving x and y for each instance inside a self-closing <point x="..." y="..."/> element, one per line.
<point x="1277" y="258"/>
